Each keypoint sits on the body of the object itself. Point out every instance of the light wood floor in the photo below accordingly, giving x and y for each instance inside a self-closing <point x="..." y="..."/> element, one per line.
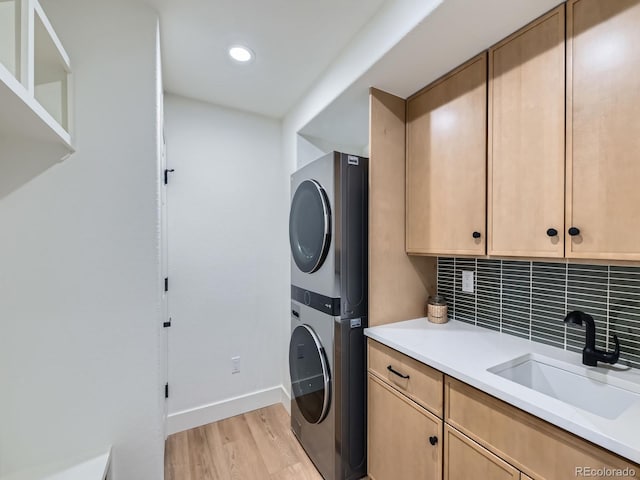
<point x="257" y="445"/>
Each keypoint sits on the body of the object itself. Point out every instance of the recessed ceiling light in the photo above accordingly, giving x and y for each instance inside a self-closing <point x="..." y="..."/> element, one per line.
<point x="241" y="54"/>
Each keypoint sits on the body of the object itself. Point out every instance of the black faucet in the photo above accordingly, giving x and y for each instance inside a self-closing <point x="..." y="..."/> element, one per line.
<point x="590" y="354"/>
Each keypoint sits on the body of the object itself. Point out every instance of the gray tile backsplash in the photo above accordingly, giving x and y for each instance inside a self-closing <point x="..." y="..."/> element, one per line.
<point x="488" y="276"/>
<point x="531" y="299"/>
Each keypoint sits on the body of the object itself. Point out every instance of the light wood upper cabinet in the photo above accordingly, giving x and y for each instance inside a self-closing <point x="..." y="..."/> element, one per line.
<point x="526" y="140"/>
<point x="446" y="164"/>
<point x="603" y="129"/>
<point x="398" y="283"/>
<point x="399" y="436"/>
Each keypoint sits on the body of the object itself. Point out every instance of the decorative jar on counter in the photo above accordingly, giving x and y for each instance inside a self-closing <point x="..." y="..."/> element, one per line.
<point x="437" y="309"/>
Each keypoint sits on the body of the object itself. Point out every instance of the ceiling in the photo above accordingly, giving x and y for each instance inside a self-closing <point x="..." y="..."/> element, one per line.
<point x="434" y="47"/>
<point x="294" y="42"/>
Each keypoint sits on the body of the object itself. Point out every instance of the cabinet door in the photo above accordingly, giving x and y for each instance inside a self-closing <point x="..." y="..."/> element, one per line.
<point x="465" y="459"/>
<point x="526" y="140"/>
<point x="399" y="444"/>
<point x="446" y="164"/>
<point x="603" y="125"/>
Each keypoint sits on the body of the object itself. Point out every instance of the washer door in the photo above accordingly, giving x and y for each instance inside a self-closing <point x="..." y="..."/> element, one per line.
<point x="309" y="226"/>
<point x="310" y="380"/>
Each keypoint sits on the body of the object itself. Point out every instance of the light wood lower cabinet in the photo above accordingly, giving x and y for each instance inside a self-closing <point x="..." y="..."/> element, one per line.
<point x="534" y="446"/>
<point x="465" y="459"/>
<point x="401" y="434"/>
<point x="479" y="437"/>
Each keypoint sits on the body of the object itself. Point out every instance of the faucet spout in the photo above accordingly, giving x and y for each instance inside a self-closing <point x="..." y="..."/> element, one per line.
<point x="590" y="354"/>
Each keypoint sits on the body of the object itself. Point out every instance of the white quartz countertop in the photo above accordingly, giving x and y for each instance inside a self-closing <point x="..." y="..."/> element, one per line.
<point x="465" y="352"/>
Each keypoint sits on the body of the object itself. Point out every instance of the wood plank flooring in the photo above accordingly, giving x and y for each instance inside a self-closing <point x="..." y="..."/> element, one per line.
<point x="257" y="445"/>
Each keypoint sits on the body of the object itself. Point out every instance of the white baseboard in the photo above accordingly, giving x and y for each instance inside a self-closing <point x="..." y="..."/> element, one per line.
<point x="196" y="417"/>
<point x="286" y="399"/>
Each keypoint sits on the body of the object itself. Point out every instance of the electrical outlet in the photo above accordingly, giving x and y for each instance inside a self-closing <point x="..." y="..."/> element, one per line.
<point x="235" y="364"/>
<point x="467" y="281"/>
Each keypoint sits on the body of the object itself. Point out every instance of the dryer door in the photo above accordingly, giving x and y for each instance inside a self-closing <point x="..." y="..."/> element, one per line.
<point x="310" y="377"/>
<point x="309" y="226"/>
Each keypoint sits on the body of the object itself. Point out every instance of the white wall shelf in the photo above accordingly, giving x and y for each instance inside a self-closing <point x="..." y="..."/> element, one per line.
<point x="23" y="117"/>
<point x="9" y="28"/>
<point x="96" y="468"/>
<point x="35" y="118"/>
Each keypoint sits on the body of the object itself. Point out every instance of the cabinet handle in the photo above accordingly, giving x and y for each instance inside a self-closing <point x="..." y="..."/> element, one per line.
<point x="476" y="235"/>
<point x="573" y="231"/>
<point x="552" y="232"/>
<point x="433" y="440"/>
<point x="392" y="370"/>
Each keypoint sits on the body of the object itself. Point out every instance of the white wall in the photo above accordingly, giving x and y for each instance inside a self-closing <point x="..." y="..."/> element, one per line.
<point x="334" y="111"/>
<point x="227" y="225"/>
<point x="79" y="270"/>
<point x="394" y="20"/>
<point x="386" y="28"/>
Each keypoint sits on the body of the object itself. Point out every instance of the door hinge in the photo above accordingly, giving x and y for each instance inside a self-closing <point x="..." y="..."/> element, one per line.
<point x="167" y="324"/>
<point x="166" y="390"/>
<point x="166" y="284"/>
<point x="167" y="171"/>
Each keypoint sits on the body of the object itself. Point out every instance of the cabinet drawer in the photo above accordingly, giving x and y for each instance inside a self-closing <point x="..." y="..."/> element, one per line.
<point x="419" y="382"/>
<point x="534" y="446"/>
<point x="465" y="459"/>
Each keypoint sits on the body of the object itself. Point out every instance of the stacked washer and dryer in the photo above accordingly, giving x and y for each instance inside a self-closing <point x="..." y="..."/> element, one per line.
<point x="328" y="233"/>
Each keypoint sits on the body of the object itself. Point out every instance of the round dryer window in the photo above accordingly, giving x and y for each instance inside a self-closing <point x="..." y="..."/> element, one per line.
<point x="310" y="381"/>
<point x="309" y="226"/>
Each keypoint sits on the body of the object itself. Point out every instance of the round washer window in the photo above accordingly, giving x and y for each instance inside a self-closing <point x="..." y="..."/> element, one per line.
<point x="310" y="381"/>
<point x="309" y="226"/>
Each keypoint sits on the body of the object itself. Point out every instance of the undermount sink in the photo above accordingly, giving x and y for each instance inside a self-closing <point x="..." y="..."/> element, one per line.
<point x="576" y="385"/>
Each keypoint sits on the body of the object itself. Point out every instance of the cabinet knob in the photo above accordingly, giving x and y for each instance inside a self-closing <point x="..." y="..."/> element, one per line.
<point x="573" y="231"/>
<point x="552" y="232"/>
<point x="476" y="235"/>
<point x="433" y="440"/>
